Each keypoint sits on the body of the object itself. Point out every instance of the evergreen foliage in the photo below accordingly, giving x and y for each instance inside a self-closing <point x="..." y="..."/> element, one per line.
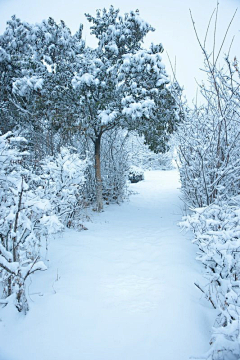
<point x="60" y="87"/>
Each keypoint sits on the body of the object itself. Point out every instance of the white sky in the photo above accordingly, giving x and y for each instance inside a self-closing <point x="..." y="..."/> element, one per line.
<point x="170" y="18"/>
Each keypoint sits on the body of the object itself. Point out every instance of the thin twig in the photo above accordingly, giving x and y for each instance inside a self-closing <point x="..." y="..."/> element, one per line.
<point x="204" y="44"/>
<point x="225" y="37"/>
<point x="214" y="35"/>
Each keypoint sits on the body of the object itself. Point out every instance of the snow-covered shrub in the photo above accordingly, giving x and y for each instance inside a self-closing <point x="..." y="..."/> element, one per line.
<point x="136" y="174"/>
<point x="141" y="156"/>
<point x="64" y="184"/>
<point x="114" y="166"/>
<point x="24" y="218"/>
<point x="209" y="139"/>
<point x="209" y="164"/>
<point x="209" y="153"/>
<point x="217" y="234"/>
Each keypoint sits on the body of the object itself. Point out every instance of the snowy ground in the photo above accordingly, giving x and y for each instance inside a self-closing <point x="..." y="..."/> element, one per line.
<point x="123" y="290"/>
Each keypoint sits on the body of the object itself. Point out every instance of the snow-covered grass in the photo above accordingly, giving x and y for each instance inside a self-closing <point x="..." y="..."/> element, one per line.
<point x="123" y="290"/>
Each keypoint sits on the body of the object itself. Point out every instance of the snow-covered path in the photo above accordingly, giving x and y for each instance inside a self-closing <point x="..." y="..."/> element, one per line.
<point x="123" y="290"/>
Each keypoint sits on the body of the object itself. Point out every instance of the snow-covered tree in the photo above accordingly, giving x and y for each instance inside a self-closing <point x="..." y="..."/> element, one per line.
<point x="121" y="84"/>
<point x="37" y="63"/>
<point x="14" y="52"/>
<point x="60" y="87"/>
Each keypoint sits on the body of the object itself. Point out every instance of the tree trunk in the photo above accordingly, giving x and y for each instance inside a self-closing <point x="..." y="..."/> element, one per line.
<point x="98" y="177"/>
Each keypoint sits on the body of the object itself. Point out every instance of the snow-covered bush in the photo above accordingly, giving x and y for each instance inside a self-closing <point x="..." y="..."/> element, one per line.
<point x="217" y="234"/>
<point x="209" y="164"/>
<point x="136" y="174"/>
<point x="24" y="218"/>
<point x="64" y="185"/>
<point x="209" y="152"/>
<point x="141" y="156"/>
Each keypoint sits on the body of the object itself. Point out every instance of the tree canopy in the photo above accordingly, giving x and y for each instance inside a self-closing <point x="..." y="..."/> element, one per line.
<point x="54" y="82"/>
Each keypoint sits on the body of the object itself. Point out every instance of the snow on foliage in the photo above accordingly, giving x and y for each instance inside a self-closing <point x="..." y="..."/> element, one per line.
<point x="209" y="153"/>
<point x="217" y="234"/>
<point x="22" y="210"/>
<point x="136" y="110"/>
<point x="24" y="85"/>
<point x="4" y="56"/>
<point x="107" y="116"/>
<point x="64" y="179"/>
<point x="141" y="156"/>
<point x="136" y="174"/>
